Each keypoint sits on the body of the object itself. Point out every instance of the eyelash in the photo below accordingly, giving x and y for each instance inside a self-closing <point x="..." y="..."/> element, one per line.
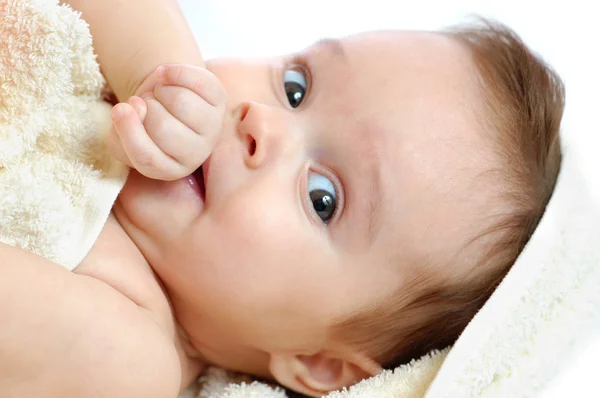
<point x="299" y="62"/>
<point x="339" y="192"/>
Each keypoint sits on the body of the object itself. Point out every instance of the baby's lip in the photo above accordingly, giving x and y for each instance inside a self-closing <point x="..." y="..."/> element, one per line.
<point x="205" y="175"/>
<point x="197" y="183"/>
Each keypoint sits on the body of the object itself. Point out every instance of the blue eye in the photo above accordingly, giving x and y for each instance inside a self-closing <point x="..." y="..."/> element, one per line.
<point x="322" y="196"/>
<point x="295" y="86"/>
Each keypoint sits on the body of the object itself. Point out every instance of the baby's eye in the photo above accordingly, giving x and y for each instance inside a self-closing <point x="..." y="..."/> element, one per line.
<point x="295" y="85"/>
<point x="322" y="195"/>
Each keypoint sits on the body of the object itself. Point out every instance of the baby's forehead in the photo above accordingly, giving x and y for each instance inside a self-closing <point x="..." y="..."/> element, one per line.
<point x="405" y="63"/>
<point x="412" y="44"/>
<point x="444" y="187"/>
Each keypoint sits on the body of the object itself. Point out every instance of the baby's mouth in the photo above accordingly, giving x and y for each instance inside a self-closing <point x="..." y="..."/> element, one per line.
<point x="198" y="182"/>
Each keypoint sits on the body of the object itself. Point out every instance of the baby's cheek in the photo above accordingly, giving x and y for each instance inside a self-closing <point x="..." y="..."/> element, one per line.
<point x="257" y="249"/>
<point x="253" y="221"/>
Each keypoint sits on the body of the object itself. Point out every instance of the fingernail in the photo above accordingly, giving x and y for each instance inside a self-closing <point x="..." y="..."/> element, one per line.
<point x="147" y="95"/>
<point x="160" y="72"/>
<point x="139" y="107"/>
<point x="118" y="111"/>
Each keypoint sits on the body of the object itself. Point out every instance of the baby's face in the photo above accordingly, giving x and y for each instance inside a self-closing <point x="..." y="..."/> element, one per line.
<point x="340" y="169"/>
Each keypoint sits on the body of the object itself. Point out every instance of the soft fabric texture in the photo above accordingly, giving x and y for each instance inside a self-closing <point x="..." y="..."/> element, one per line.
<point x="58" y="183"/>
<point x="407" y="381"/>
<point x="57" y="180"/>
<point x="545" y="307"/>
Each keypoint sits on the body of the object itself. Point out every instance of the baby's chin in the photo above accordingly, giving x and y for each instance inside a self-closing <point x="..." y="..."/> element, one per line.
<point x="158" y="211"/>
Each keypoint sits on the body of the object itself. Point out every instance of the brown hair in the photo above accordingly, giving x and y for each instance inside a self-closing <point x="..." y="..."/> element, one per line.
<point x="523" y="109"/>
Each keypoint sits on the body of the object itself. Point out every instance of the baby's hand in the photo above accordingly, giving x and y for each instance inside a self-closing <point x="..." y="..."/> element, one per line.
<point x="168" y="131"/>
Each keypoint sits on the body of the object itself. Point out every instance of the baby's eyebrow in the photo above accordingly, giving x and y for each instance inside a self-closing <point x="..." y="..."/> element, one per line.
<point x="368" y="167"/>
<point x="332" y="46"/>
<point x="375" y="196"/>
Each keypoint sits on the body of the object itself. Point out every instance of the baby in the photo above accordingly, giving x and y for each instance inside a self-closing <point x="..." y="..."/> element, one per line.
<point x="310" y="219"/>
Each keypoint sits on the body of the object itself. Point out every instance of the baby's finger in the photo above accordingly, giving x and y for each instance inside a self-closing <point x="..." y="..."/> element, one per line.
<point x="199" y="80"/>
<point x="114" y="146"/>
<point x="175" y="138"/>
<point x="142" y="152"/>
<point x="191" y="110"/>
<point x="113" y="140"/>
<point x="140" y="107"/>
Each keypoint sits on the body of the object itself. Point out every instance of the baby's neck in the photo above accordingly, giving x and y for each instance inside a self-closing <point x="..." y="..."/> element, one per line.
<point x="117" y="261"/>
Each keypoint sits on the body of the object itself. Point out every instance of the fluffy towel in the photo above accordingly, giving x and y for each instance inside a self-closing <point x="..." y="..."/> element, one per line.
<point x="407" y="381"/>
<point x="545" y="308"/>
<point x="58" y="182"/>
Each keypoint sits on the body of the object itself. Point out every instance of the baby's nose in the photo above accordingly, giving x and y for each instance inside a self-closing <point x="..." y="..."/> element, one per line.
<point x="262" y="132"/>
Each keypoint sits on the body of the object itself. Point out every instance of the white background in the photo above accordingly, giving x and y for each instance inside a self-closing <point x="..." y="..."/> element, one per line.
<point x="565" y="33"/>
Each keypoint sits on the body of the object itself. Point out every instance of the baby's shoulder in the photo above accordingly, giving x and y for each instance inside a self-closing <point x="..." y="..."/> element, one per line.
<point x="115" y="260"/>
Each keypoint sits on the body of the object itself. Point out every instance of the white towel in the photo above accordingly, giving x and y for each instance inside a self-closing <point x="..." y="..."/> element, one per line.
<point x="57" y="179"/>
<point x="547" y="304"/>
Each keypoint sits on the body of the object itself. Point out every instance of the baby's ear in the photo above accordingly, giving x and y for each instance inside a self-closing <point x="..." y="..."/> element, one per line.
<point x="316" y="375"/>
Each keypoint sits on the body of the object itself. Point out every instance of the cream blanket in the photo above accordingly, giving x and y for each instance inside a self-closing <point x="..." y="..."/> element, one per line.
<point x="58" y="183"/>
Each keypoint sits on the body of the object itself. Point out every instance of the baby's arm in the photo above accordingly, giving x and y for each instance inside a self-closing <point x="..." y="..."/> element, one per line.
<point x="134" y="37"/>
<point x="68" y="335"/>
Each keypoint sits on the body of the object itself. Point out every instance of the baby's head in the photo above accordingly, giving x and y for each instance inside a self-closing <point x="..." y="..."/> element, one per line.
<point x="365" y="198"/>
